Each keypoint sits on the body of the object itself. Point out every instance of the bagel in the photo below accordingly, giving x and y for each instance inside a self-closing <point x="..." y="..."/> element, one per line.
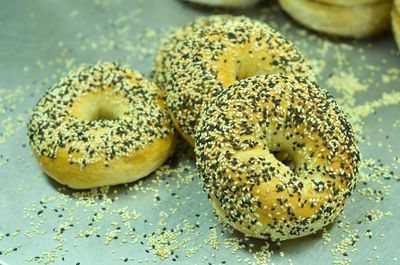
<point x="101" y="125"/>
<point x="165" y="55"/>
<point x="224" y="3"/>
<point x="276" y="156"/>
<point x="349" y="2"/>
<point x="358" y="20"/>
<point x="203" y="60"/>
<point x="395" y="14"/>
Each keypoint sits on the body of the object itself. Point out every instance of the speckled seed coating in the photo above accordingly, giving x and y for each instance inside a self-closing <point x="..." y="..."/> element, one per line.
<point x="244" y="144"/>
<point x="166" y="54"/>
<point x="204" y="59"/>
<point x="102" y="124"/>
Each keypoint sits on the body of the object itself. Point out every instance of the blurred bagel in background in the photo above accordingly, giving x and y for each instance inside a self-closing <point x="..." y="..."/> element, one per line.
<point x="349" y="2"/>
<point x="224" y="3"/>
<point x="396" y="21"/>
<point x="352" y="18"/>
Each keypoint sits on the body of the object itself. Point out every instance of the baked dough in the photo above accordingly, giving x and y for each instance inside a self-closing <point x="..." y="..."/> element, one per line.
<point x="224" y="3"/>
<point x="202" y="61"/>
<point x="396" y="21"/>
<point x="101" y="125"/>
<point x="349" y="21"/>
<point x="349" y="2"/>
<point x="277" y="157"/>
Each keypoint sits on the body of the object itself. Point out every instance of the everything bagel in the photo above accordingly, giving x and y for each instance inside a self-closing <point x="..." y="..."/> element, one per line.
<point x="101" y="125"/>
<point x="277" y="157"/>
<point x="203" y="60"/>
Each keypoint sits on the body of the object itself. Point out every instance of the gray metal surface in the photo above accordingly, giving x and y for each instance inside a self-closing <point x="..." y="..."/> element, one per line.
<point x="166" y="218"/>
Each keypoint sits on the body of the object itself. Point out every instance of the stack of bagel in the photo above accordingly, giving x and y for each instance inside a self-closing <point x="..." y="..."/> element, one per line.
<point x="275" y="152"/>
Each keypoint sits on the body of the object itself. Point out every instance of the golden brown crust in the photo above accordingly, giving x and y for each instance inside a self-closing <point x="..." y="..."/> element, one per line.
<point x="101" y="125"/>
<point x="348" y="21"/>
<point x="205" y="57"/>
<point x="254" y="191"/>
<point x="120" y="170"/>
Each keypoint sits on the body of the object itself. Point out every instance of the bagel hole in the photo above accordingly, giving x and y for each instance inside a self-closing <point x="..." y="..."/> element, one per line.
<point x="100" y="106"/>
<point x="246" y="73"/>
<point x="284" y="157"/>
<point x="103" y="113"/>
<point x="252" y="66"/>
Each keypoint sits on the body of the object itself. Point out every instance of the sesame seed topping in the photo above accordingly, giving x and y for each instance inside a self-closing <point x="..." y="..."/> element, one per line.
<point x="83" y="102"/>
<point x="198" y="61"/>
<point x="258" y="117"/>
